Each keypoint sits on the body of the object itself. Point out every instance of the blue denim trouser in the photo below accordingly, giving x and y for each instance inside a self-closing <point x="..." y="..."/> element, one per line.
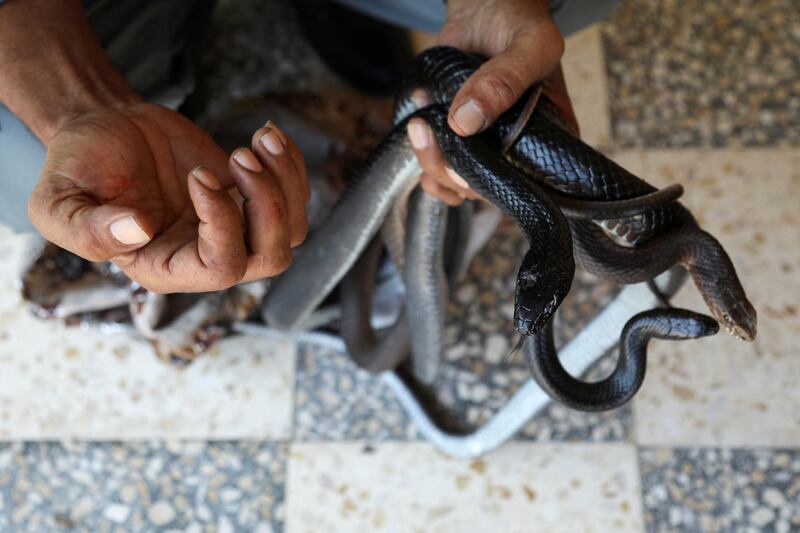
<point x="146" y="41"/>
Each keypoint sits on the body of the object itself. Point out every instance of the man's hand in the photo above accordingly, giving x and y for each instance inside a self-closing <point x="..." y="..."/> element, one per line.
<point x="135" y="183"/>
<point x="524" y="46"/>
<point x="145" y="188"/>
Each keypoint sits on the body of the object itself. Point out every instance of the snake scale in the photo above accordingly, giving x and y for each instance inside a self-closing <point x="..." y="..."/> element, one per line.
<point x="570" y="201"/>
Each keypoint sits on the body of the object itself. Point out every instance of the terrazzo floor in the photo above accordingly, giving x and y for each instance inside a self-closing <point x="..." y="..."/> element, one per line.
<point x="269" y="436"/>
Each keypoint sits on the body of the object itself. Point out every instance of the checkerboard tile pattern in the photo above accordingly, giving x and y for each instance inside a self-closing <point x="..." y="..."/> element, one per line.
<point x="263" y="435"/>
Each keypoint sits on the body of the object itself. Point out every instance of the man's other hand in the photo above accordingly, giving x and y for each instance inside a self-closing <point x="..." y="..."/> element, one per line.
<point x="142" y="186"/>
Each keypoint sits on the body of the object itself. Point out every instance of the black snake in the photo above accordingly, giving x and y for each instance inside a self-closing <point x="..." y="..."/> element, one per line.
<point x="567" y="199"/>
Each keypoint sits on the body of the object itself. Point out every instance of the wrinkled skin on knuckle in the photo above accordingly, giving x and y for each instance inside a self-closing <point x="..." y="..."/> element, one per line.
<point x="226" y="274"/>
<point x="495" y="90"/>
<point x="88" y="245"/>
<point x="277" y="262"/>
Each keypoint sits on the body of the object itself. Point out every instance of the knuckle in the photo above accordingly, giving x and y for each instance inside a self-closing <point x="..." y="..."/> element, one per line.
<point x="228" y="276"/>
<point x="498" y="89"/>
<point x="87" y="245"/>
<point x="277" y="208"/>
<point x="276" y="262"/>
<point x="224" y="272"/>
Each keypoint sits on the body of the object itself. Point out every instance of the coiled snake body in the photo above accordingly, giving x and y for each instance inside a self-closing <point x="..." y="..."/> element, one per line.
<point x="545" y="170"/>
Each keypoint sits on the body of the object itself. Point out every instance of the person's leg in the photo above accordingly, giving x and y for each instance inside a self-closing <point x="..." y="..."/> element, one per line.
<point x="152" y="42"/>
<point x="21" y="158"/>
<point x="574" y="15"/>
<point x="429" y="15"/>
<point x="426" y="15"/>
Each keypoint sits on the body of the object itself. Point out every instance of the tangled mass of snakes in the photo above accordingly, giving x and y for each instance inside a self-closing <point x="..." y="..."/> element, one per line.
<point x="572" y="204"/>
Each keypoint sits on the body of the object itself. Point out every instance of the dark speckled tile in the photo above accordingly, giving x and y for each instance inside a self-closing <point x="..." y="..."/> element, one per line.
<point x="335" y="400"/>
<point x="146" y="486"/>
<point x="711" y="490"/>
<point x="698" y="73"/>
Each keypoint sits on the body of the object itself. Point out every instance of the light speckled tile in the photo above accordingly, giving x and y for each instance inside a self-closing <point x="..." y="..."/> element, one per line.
<point x="411" y="487"/>
<point x="585" y="73"/>
<point x="718" y="391"/>
<point x="721" y="390"/>
<point x="699" y="73"/>
<point x="193" y="487"/>
<point x="713" y="490"/>
<point x="62" y="382"/>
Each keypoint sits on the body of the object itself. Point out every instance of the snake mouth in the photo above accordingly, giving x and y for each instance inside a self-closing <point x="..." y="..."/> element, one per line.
<point x="528" y="322"/>
<point x="740" y="331"/>
<point x="739" y="319"/>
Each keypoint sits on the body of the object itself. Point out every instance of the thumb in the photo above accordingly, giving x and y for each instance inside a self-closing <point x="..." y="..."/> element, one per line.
<point x="499" y="82"/>
<point x="76" y="222"/>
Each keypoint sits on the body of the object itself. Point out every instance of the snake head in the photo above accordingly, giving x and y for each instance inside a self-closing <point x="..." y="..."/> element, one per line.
<point x="538" y="296"/>
<point x="735" y="313"/>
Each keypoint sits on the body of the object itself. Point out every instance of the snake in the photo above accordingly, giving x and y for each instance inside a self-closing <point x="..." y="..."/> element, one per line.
<point x="367" y="348"/>
<point x="428" y="259"/>
<point x="628" y="375"/>
<point x="544" y="277"/>
<point x="547" y="269"/>
<point x="549" y="151"/>
<point x="569" y="200"/>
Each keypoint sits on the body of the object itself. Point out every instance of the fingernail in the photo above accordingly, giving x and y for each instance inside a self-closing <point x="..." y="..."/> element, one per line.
<point x="127" y="231"/>
<point x="469" y="118"/>
<point x="458" y="180"/>
<point x="272" y="142"/>
<point x="419" y="133"/>
<point x="248" y="160"/>
<point x="207" y="178"/>
<point x="272" y="126"/>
